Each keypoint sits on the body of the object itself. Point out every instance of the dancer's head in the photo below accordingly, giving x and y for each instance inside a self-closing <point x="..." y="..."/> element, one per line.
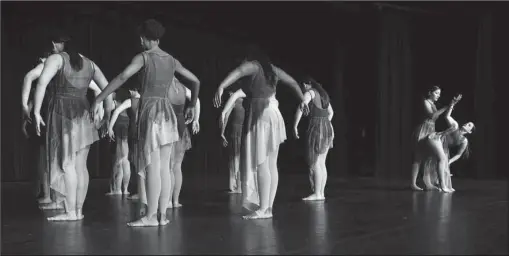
<point x="434" y="93"/>
<point x="468" y="128"/>
<point x="254" y="53"/>
<point x="63" y="43"/>
<point x="150" y="32"/>
<point x="309" y="83"/>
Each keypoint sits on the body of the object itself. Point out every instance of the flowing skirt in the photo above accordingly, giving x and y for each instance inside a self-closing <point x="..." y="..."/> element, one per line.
<point x="319" y="138"/>
<point x="265" y="135"/>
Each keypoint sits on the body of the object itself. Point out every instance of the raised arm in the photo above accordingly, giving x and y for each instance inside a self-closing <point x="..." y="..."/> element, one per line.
<point x="448" y="118"/>
<point x="460" y="152"/>
<point x="194" y="82"/>
<point x="245" y="69"/>
<point x="122" y="107"/>
<point x="30" y="77"/>
<point x="136" y="64"/>
<point x="230" y="103"/>
<point x="429" y="110"/>
<point x="308" y="96"/>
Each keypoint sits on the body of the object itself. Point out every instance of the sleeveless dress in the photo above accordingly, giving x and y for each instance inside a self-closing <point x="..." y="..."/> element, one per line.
<point x="70" y="127"/>
<point x="234" y="137"/>
<point x="178" y="100"/>
<point x="157" y="122"/>
<point x="320" y="133"/>
<point x="263" y="131"/>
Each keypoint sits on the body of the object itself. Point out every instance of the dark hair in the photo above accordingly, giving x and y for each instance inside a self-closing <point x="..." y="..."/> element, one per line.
<point x="432" y="89"/>
<point x="323" y="94"/>
<point x="69" y="48"/>
<point x="151" y="29"/>
<point x="256" y="54"/>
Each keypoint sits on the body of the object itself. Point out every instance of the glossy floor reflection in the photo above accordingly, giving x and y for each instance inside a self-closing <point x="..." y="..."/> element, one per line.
<point x="359" y="217"/>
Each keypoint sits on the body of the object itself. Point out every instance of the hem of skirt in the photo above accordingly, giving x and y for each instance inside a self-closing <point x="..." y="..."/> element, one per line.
<point x="142" y="171"/>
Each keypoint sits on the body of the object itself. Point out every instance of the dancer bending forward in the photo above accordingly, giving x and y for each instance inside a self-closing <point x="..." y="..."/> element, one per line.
<point x="319" y="135"/>
<point x="264" y="130"/>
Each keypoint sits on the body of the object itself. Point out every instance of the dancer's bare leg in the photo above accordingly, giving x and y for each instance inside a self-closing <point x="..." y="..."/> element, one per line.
<point x="44" y="176"/>
<point x="126" y="167"/>
<point x="177" y="177"/>
<point x="439" y="154"/>
<point x="312" y="178"/>
<point x="274" y="182"/>
<point x="165" y="182"/>
<point x="116" y="179"/>
<point x="83" y="181"/>
<point x="235" y="181"/>
<point x="316" y="177"/>
<point x="238" y="178"/>
<point x="172" y="183"/>
<point x="142" y="192"/>
<point x="415" y="166"/>
<point x="323" y="182"/>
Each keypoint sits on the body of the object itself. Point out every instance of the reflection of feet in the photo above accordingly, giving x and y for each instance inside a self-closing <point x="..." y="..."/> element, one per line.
<point x="114" y="193"/>
<point x="51" y="206"/>
<point x="144" y="222"/>
<point x="415" y="187"/>
<point x="313" y="197"/>
<point x="258" y="215"/>
<point x="134" y="197"/>
<point x="46" y="200"/>
<point x="71" y="216"/>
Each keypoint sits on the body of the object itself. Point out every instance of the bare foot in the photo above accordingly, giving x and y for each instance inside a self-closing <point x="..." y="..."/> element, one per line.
<point x="114" y="193"/>
<point x="432" y="188"/>
<point x="134" y="197"/>
<point x="163" y="221"/>
<point x="52" y="206"/>
<point x="452" y="189"/>
<point x="144" y="222"/>
<point x="312" y="197"/>
<point x="70" y="216"/>
<point x="446" y="190"/>
<point x="126" y="192"/>
<point x="177" y="205"/>
<point x="415" y="187"/>
<point x="269" y="213"/>
<point x="258" y="215"/>
<point x="45" y="200"/>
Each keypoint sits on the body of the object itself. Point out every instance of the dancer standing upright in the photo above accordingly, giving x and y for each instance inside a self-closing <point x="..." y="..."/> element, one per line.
<point x="319" y="135"/>
<point x="157" y="123"/>
<point x="263" y="132"/>
<point x="70" y="129"/>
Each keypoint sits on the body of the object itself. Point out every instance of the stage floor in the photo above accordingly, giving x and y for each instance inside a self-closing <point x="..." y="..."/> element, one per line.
<point x="358" y="217"/>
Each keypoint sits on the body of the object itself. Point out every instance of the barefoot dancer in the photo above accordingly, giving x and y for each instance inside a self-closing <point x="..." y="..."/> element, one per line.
<point x="432" y="147"/>
<point x="118" y="133"/>
<point x="456" y="138"/>
<point x="42" y="164"/>
<point x="319" y="135"/>
<point x="427" y="126"/>
<point x="179" y="94"/>
<point x="157" y="122"/>
<point x="70" y="129"/>
<point x="233" y="112"/>
<point x="264" y="130"/>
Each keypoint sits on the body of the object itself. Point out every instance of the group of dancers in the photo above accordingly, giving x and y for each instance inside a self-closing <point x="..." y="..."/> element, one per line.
<point x="148" y="127"/>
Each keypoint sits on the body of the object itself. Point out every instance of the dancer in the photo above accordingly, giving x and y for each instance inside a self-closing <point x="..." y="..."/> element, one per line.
<point x="425" y="128"/>
<point x="42" y="178"/>
<point x="319" y="135"/>
<point x="264" y="130"/>
<point x="157" y="122"/>
<point x="118" y="132"/>
<point x="455" y="138"/>
<point x="233" y="112"/>
<point x="70" y="130"/>
<point x="437" y="144"/>
<point x="178" y="99"/>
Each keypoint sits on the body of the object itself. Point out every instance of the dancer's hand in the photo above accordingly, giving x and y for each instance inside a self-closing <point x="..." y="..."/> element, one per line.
<point x="217" y="98"/>
<point x="25" y="111"/>
<point x="225" y="142"/>
<point x="24" y="128"/>
<point x="189" y="115"/>
<point x="111" y="134"/>
<point x="38" y="123"/>
<point x="296" y="132"/>
<point x="304" y="108"/>
<point x="456" y="99"/>
<point x="196" y="127"/>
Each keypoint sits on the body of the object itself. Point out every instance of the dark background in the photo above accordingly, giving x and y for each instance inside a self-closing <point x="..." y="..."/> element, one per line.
<point x="374" y="60"/>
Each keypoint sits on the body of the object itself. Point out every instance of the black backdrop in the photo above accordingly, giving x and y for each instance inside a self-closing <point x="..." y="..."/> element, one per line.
<point x="339" y="44"/>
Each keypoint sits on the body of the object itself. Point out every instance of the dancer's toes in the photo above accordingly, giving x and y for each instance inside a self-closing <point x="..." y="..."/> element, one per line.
<point x="312" y="197"/>
<point x="46" y="200"/>
<point x="114" y="193"/>
<point x="176" y="205"/>
<point x="126" y="193"/>
<point x="163" y="221"/>
<point x="257" y="215"/>
<point x="432" y="188"/>
<point x="64" y="217"/>
<point x="415" y="187"/>
<point x="144" y="222"/>
<point x="134" y="197"/>
<point x="51" y="206"/>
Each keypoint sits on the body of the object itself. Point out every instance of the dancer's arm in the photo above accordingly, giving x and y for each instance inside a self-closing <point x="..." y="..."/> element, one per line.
<point x="460" y="152"/>
<point x="448" y="118"/>
<point x="308" y="96"/>
<point x="229" y="107"/>
<point x="194" y="82"/>
<point x="29" y="78"/>
<point x="196" y="122"/>
<point x="245" y="69"/>
<point x="429" y="110"/>
<point x="330" y="111"/>
<point x="51" y="67"/>
<point x="95" y="88"/>
<point x="125" y="105"/>
<point x="288" y="80"/>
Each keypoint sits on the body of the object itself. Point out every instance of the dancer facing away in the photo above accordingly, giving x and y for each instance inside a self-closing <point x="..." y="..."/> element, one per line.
<point x="425" y="128"/>
<point x="42" y="178"/>
<point x="178" y="99"/>
<point x="454" y="137"/>
<point x="157" y="123"/>
<point x="319" y="135"/>
<point x="118" y="132"/>
<point x="232" y="120"/>
<point x="431" y="147"/>
<point x="70" y="129"/>
<point x="264" y="130"/>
